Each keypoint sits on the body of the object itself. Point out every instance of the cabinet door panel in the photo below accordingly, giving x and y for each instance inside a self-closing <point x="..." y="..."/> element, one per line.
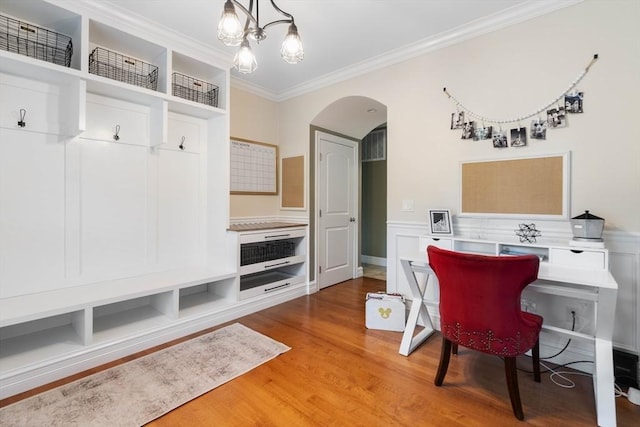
<point x="113" y="203"/>
<point x="40" y="101"/>
<point x="104" y="115"/>
<point x="179" y="209"/>
<point x="31" y="212"/>
<point x="183" y="130"/>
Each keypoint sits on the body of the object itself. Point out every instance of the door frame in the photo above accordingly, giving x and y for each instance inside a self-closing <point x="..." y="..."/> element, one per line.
<point x="316" y="213"/>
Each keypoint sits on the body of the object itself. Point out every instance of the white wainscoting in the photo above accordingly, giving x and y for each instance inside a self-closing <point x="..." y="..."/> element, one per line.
<point x="624" y="257"/>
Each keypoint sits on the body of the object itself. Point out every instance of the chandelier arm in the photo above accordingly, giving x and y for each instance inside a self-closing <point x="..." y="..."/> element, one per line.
<point x="281" y="21"/>
<point x="246" y="11"/>
<point x="288" y="15"/>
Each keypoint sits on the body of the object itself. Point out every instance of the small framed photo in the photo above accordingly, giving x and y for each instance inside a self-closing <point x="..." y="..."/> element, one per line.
<point x="440" y="222"/>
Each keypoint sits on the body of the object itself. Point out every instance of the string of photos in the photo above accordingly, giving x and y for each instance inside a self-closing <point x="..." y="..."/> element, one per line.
<point x="555" y="117"/>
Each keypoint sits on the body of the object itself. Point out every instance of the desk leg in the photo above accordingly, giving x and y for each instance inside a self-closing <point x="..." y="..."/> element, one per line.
<point x="418" y="312"/>
<point x="603" y="378"/>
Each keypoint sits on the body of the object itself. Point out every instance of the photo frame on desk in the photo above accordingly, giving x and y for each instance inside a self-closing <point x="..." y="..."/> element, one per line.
<point x="440" y="222"/>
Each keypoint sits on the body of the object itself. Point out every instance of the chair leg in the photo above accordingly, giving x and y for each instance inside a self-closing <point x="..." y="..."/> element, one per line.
<point x="535" y="352"/>
<point x="445" y="354"/>
<point x="454" y="347"/>
<point x="512" y="385"/>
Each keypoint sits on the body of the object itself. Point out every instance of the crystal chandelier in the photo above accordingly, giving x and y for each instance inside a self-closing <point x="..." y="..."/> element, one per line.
<point x="232" y="33"/>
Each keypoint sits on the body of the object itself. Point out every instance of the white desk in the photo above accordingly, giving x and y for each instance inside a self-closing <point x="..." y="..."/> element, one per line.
<point x="564" y="271"/>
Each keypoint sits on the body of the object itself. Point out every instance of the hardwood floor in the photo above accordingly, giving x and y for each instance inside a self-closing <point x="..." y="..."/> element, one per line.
<point x="339" y="373"/>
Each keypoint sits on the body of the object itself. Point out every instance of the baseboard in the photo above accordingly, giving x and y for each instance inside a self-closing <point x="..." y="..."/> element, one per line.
<point x="366" y="259"/>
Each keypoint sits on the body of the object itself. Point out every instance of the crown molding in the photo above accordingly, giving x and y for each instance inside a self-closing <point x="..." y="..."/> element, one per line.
<point x="514" y="15"/>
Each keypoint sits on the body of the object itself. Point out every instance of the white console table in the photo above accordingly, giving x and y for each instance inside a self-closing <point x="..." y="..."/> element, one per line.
<point x="568" y="271"/>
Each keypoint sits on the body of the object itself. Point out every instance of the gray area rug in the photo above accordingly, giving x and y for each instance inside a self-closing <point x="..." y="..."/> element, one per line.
<point x="142" y="390"/>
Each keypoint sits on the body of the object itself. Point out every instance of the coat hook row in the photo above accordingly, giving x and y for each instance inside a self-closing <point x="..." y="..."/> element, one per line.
<point x="116" y="137"/>
<point x="181" y="146"/>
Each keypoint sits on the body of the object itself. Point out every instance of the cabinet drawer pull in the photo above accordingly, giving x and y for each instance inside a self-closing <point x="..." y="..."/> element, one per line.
<point x="277" y="235"/>
<point x="575" y="251"/>
<point x="277" y="264"/>
<point x="276" y="287"/>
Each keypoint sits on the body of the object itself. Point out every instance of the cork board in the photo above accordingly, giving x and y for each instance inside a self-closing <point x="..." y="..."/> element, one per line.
<point x="532" y="187"/>
<point x="292" y="183"/>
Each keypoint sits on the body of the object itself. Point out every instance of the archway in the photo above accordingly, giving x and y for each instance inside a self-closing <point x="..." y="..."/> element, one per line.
<point x="351" y="117"/>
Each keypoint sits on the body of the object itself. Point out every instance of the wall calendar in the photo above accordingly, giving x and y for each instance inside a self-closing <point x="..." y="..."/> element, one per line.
<point x="254" y="167"/>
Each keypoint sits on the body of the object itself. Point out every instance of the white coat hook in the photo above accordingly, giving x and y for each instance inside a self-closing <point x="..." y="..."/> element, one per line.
<point x="23" y="114"/>
<point x="181" y="146"/>
<point x="116" y="137"/>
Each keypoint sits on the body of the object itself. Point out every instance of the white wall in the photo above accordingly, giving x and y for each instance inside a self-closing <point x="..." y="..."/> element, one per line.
<point x="504" y="74"/>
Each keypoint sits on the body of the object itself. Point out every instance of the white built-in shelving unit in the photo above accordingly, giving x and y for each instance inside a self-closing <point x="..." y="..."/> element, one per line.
<point x="110" y="245"/>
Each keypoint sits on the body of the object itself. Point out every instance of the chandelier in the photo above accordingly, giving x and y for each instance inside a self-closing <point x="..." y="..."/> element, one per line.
<point x="232" y="33"/>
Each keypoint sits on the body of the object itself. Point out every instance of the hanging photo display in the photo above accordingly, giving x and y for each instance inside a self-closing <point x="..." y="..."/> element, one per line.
<point x="573" y="102"/>
<point x="468" y="130"/>
<point x="556" y="117"/>
<point x="519" y="137"/>
<point x="499" y="139"/>
<point x="482" y="133"/>
<point x="457" y="120"/>
<point x="538" y="129"/>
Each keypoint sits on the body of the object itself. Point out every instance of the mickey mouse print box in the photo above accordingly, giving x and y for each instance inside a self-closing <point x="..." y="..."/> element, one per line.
<point x="385" y="311"/>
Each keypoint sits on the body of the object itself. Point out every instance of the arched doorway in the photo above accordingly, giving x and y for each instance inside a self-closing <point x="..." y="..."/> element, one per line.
<point x="352" y="118"/>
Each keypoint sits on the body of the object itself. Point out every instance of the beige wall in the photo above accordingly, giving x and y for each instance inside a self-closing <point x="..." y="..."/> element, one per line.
<point x="504" y="74"/>
<point x="256" y="119"/>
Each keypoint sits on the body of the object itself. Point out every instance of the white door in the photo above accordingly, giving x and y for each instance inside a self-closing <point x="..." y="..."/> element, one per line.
<point x="338" y="195"/>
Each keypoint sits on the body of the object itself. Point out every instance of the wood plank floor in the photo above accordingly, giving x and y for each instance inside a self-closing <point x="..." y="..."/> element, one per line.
<point x="338" y="373"/>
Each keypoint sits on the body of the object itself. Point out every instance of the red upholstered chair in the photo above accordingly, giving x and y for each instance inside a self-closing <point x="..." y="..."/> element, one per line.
<point x="480" y="309"/>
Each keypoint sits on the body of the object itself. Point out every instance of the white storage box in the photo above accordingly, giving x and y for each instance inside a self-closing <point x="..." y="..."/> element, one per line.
<point x="385" y="311"/>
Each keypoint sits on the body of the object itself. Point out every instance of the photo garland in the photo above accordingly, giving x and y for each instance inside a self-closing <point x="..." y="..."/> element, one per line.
<point x="556" y="117"/>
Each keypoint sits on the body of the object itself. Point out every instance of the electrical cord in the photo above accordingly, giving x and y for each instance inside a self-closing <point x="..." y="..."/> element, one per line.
<point x="573" y="328"/>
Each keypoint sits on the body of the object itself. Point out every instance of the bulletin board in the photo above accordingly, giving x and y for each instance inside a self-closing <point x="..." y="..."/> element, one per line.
<point x="254" y="167"/>
<point x="531" y="187"/>
<point x="293" y="183"/>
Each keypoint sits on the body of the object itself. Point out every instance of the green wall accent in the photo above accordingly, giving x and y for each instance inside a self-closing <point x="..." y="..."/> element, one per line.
<point x="374" y="209"/>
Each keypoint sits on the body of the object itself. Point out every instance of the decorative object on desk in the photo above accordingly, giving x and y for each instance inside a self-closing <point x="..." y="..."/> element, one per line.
<point x="385" y="311"/>
<point x="538" y="129"/>
<point x="573" y="102"/>
<point x="139" y="391"/>
<point x="554" y="110"/>
<point x="528" y="233"/>
<point x="440" y="222"/>
<point x="587" y="227"/>
<point x="518" y="137"/>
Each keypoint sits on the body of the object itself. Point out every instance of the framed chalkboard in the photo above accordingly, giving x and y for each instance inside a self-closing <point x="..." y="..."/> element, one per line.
<point x="532" y="187"/>
<point x="254" y="167"/>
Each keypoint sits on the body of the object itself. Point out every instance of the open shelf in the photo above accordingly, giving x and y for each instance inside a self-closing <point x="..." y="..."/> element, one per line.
<point x="200" y="299"/>
<point x="127" y="317"/>
<point x="41" y="339"/>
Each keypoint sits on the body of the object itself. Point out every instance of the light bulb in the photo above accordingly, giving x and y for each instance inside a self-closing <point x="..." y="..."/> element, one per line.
<point x="244" y="61"/>
<point x="292" y="50"/>
<point x="230" y="30"/>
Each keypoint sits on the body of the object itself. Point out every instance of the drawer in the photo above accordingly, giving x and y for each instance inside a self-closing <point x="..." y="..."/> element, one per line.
<point x="425" y="241"/>
<point x="272" y="281"/>
<point x="272" y="264"/>
<point x="592" y="260"/>
<point x="184" y="133"/>
<point x="40" y="102"/>
<point x="107" y="117"/>
<point x="267" y="236"/>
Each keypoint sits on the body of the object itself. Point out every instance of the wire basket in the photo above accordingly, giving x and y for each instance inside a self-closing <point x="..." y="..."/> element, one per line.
<point x="116" y="66"/>
<point x="27" y="39"/>
<point x="253" y="253"/>
<point x="195" y="90"/>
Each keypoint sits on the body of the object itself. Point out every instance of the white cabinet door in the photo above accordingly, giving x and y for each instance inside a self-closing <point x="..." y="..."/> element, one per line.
<point x="113" y="209"/>
<point x="180" y="209"/>
<point x="32" y="214"/>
